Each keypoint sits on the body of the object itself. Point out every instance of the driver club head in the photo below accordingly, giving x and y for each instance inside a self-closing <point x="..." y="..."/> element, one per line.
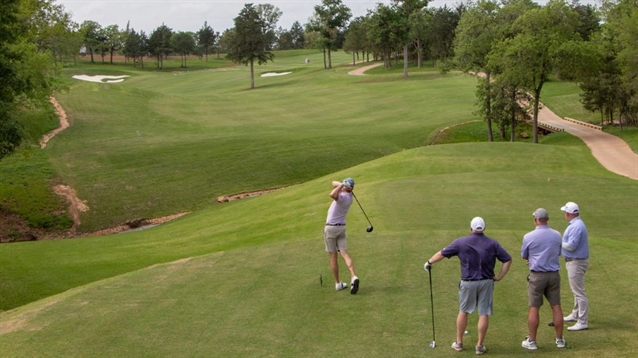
<point x="433" y="344"/>
<point x="370" y="228"/>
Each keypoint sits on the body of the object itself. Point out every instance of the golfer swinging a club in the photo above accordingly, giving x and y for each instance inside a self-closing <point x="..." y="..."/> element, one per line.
<point x="334" y="233"/>
<point x="478" y="254"/>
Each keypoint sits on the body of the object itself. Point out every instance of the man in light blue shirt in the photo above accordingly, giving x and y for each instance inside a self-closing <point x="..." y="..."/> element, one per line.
<point x="541" y="250"/>
<point x="576" y="252"/>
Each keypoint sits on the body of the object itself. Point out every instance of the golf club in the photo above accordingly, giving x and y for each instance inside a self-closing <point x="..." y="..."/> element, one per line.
<point x="369" y="228"/>
<point x="433" y="344"/>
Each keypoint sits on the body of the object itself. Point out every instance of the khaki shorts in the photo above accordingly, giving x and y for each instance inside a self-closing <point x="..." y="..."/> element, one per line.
<point x="543" y="284"/>
<point x="335" y="238"/>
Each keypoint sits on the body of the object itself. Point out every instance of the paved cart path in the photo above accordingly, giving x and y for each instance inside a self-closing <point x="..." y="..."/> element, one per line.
<point x="611" y="152"/>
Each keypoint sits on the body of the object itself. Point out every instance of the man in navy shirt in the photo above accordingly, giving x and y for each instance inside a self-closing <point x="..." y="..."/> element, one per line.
<point x="478" y="254"/>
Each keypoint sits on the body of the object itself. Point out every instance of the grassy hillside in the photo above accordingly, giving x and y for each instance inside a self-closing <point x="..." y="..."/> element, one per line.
<point x="166" y="142"/>
<point x="245" y="276"/>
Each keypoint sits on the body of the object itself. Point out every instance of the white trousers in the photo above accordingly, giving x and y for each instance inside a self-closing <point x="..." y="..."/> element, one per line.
<point x="576" y="273"/>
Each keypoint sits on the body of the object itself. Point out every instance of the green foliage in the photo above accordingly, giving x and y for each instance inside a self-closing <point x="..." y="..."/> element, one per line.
<point x="26" y="178"/>
<point x="25" y="70"/>
<point x="248" y="42"/>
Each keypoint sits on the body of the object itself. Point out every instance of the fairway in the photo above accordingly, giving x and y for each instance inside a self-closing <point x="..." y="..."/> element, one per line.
<point x="244" y="278"/>
<point x="162" y="143"/>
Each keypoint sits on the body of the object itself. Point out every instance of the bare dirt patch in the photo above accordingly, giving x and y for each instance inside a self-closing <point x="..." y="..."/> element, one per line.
<point x="64" y="123"/>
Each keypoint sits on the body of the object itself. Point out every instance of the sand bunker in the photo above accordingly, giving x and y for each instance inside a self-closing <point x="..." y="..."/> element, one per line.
<point x="101" y="79"/>
<point x="273" y="74"/>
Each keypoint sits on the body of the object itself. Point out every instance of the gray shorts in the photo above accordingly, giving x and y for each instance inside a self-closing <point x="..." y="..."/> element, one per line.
<point x="335" y="238"/>
<point x="543" y="284"/>
<point x="473" y="294"/>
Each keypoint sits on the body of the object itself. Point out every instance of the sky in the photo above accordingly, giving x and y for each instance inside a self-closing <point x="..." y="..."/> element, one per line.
<point x="190" y="15"/>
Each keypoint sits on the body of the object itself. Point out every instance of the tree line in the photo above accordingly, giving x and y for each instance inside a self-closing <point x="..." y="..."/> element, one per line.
<point x="518" y="44"/>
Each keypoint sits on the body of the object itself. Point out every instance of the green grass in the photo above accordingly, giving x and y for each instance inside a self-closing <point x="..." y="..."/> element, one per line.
<point x="242" y="279"/>
<point x="26" y="179"/>
<point x="251" y="285"/>
<point x="25" y="189"/>
<point x="162" y="143"/>
<point x="563" y="98"/>
<point x="628" y="133"/>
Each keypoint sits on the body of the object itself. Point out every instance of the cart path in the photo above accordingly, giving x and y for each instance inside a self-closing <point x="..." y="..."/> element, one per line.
<point x="613" y="153"/>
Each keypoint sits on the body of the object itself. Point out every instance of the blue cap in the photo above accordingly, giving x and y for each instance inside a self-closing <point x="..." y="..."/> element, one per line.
<point x="348" y="183"/>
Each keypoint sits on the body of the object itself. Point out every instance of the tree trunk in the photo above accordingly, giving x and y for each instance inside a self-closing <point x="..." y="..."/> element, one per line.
<point x="354" y="61"/>
<point x="325" y="65"/>
<point x="537" y="100"/>
<point x="514" y="103"/>
<point x="488" y="106"/>
<point x="419" y="54"/>
<point x="252" y="75"/>
<point x="405" y="61"/>
<point x="329" y="58"/>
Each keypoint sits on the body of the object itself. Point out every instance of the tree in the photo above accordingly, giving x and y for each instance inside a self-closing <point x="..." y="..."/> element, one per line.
<point x="225" y="41"/>
<point x="247" y="43"/>
<point x="135" y="47"/>
<point x="355" y="38"/>
<point x="383" y="28"/>
<point x="159" y="44"/>
<point x="26" y="72"/>
<point x="113" y="40"/>
<point x="441" y="35"/>
<point x="269" y="16"/>
<point x="407" y="9"/>
<point x="331" y="17"/>
<point x="284" y="39"/>
<point x="206" y="39"/>
<point x="589" y="21"/>
<point x="297" y="35"/>
<point x="529" y="57"/>
<point x="90" y="31"/>
<point x="419" y="29"/>
<point x="476" y="33"/>
<point x="184" y="44"/>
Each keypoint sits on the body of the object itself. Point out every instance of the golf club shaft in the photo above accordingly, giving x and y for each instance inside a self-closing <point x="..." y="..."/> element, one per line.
<point x="432" y="304"/>
<point x="364" y="213"/>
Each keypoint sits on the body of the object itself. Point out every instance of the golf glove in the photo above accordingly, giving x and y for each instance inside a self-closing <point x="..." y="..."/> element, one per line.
<point x="428" y="266"/>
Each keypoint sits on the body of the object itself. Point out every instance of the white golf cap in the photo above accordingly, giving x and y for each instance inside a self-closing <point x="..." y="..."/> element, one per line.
<point x="570" y="207"/>
<point x="477" y="224"/>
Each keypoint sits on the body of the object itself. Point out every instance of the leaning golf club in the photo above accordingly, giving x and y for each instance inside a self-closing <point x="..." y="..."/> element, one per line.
<point x="433" y="344"/>
<point x="369" y="228"/>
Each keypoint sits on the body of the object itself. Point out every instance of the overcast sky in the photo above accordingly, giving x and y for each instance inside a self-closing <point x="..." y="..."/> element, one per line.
<point x="189" y="15"/>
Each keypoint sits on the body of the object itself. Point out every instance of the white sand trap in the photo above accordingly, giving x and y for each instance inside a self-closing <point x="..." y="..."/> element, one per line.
<point x="273" y="74"/>
<point x="101" y="79"/>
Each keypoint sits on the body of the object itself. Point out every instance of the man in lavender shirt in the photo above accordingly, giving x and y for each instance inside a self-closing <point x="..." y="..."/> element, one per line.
<point x="541" y="250"/>
<point x="334" y="233"/>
